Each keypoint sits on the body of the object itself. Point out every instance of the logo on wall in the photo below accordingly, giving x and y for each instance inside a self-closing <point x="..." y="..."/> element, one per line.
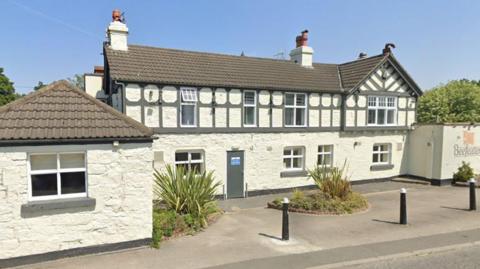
<point x="468" y="149"/>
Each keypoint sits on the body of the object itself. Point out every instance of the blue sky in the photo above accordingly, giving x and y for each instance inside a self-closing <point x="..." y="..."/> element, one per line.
<point x="46" y="40"/>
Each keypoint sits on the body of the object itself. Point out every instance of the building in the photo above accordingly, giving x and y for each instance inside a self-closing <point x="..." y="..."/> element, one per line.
<point x="75" y="176"/>
<point x="261" y="123"/>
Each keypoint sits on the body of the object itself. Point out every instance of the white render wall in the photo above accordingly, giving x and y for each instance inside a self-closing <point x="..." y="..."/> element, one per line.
<point x="119" y="179"/>
<point x="264" y="153"/>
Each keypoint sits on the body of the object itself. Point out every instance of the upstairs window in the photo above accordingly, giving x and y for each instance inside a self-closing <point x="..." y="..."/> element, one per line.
<point x="188" y="107"/>
<point x="382" y="110"/>
<point x="295" y="109"/>
<point x="190" y="160"/>
<point x="381" y="154"/>
<point x="325" y="155"/>
<point x="249" y="108"/>
<point x="293" y="158"/>
<point x="57" y="175"/>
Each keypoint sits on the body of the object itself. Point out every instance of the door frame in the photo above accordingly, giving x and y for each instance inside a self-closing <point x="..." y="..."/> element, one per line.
<point x="226" y="172"/>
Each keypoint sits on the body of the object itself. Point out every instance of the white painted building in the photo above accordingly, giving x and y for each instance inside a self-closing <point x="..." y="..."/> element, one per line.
<point x="261" y="123"/>
<point x="75" y="177"/>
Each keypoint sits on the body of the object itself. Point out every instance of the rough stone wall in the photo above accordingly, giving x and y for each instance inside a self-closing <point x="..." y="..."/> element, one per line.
<point x="264" y="153"/>
<point x="119" y="179"/>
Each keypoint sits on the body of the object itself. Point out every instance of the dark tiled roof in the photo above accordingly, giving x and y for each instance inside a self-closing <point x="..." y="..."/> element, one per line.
<point x="61" y="111"/>
<point x="354" y="72"/>
<point x="169" y="66"/>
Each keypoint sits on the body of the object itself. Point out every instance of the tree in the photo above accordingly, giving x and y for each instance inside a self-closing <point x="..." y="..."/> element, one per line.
<point x="77" y="80"/>
<point x="456" y="101"/>
<point x="40" y="85"/>
<point x="7" y="91"/>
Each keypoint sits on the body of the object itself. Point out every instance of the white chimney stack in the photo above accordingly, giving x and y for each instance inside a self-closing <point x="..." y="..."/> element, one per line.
<point x="302" y="54"/>
<point x="117" y="32"/>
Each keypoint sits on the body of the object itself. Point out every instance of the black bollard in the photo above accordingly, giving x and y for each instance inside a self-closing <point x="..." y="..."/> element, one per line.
<point x="473" y="200"/>
<point x="403" y="206"/>
<point x="285" y="234"/>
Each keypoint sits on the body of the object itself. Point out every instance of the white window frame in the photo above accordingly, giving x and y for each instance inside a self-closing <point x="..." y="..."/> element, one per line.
<point x="376" y="107"/>
<point x="189" y="161"/>
<point x="57" y="171"/>
<point x="324" y="153"/>
<point x="380" y="152"/>
<point x="295" y="106"/>
<point x="188" y="97"/>
<point x="254" y="105"/>
<point x="291" y="156"/>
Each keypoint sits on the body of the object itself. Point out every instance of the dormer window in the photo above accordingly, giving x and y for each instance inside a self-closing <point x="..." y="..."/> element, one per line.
<point x="382" y="110"/>
<point x="188" y="107"/>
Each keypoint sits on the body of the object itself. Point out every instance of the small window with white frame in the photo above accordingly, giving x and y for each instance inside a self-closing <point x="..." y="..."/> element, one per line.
<point x="325" y="155"/>
<point x="249" y="108"/>
<point x="295" y="109"/>
<point x="293" y="158"/>
<point x="188" y="107"/>
<point x="57" y="175"/>
<point x="190" y="160"/>
<point x="381" y="154"/>
<point x="382" y="110"/>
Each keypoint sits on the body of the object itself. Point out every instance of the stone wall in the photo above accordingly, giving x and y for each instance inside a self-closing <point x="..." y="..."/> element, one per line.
<point x="119" y="179"/>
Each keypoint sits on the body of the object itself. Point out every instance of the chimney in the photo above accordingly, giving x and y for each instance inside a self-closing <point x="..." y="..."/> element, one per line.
<point x="117" y="32"/>
<point x="302" y="54"/>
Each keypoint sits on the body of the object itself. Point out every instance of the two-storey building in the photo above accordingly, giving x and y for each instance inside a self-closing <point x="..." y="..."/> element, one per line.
<point x="261" y="123"/>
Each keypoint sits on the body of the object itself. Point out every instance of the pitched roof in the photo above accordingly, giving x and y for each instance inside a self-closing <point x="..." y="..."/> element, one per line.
<point x="170" y="66"/>
<point x="61" y="112"/>
<point x="352" y="73"/>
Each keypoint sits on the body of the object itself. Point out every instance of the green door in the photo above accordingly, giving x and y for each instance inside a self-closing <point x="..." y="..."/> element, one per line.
<point x="235" y="174"/>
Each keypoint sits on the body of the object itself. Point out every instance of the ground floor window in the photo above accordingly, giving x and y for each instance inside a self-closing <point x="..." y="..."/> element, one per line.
<point x="381" y="154"/>
<point x="325" y="155"/>
<point x="293" y="158"/>
<point x="57" y="175"/>
<point x="190" y="160"/>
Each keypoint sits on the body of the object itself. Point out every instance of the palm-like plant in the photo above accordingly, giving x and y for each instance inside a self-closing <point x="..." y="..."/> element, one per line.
<point x="331" y="180"/>
<point x="186" y="191"/>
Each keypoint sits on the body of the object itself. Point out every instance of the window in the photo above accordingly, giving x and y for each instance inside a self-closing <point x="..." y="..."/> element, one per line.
<point x="325" y="155"/>
<point x="188" y="107"/>
<point x="190" y="160"/>
<point x="249" y="108"/>
<point x="381" y="154"/>
<point x="60" y="175"/>
<point x="382" y="110"/>
<point x="293" y="158"/>
<point x="295" y="109"/>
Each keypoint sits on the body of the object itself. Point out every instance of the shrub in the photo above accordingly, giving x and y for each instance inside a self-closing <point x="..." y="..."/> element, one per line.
<point x="464" y="173"/>
<point x="186" y="192"/>
<point x="331" y="181"/>
<point x="164" y="223"/>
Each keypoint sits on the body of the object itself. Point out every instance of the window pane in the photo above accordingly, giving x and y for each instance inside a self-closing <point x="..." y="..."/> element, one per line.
<point x="189" y="95"/>
<point x="73" y="182"/>
<point x="185" y="166"/>
<point x="384" y="147"/>
<point x="74" y="160"/>
<point x="391" y="101"/>
<point x="381" y="116"/>
<point x="300" y="117"/>
<point x="249" y="115"/>
<point x="381" y="102"/>
<point x="249" y="98"/>
<point x="181" y="156"/>
<point x="188" y="115"/>
<point x="300" y="100"/>
<point x="286" y="152"/>
<point x="43" y="162"/>
<point x="320" y="160"/>
<point x="287" y="163"/>
<point x="297" y="162"/>
<point x="372" y="101"/>
<point x="384" y="157"/>
<point x="297" y="151"/>
<point x="197" y="167"/>
<point x="44" y="185"/>
<point x="375" y="158"/>
<point x="288" y="116"/>
<point x="327" y="159"/>
<point x="391" y="116"/>
<point x="196" y="156"/>
<point x="371" y="116"/>
<point x="289" y="99"/>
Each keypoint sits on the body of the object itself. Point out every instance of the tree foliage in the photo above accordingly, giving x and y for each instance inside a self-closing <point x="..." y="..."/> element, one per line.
<point x="77" y="80"/>
<point x="456" y="101"/>
<point x="39" y="86"/>
<point x="7" y="91"/>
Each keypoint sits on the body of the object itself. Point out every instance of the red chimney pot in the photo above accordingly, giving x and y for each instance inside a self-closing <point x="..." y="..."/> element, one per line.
<point x="302" y="39"/>
<point x="116" y="15"/>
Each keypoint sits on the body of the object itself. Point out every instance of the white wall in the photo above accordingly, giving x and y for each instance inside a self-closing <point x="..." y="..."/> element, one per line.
<point x="263" y="153"/>
<point x="94" y="86"/>
<point x="120" y="181"/>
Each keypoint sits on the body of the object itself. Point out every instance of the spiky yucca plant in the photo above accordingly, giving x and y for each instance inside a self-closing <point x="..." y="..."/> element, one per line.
<point x="331" y="180"/>
<point x="186" y="191"/>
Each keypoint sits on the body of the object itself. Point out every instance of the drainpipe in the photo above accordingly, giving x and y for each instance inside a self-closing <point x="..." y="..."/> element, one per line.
<point x="115" y="82"/>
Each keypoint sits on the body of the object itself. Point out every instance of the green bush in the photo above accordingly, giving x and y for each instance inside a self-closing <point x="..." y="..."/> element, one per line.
<point x="464" y="173"/>
<point x="164" y="223"/>
<point x="331" y="181"/>
<point x="186" y="192"/>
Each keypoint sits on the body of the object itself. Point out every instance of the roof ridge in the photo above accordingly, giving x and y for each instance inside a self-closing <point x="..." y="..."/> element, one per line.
<point x="363" y="59"/>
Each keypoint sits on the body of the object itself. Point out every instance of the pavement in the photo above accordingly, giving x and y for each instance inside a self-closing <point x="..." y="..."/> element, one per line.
<point x="246" y="236"/>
